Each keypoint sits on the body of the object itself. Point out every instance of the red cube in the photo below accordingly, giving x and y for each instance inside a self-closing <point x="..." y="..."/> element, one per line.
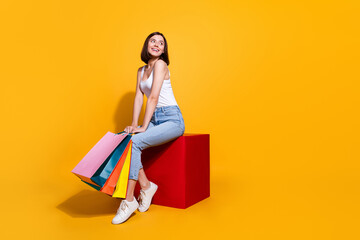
<point x="181" y="169"/>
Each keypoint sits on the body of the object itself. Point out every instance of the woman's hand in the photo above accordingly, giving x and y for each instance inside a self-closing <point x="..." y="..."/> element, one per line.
<point x="134" y="129"/>
<point x="130" y="129"/>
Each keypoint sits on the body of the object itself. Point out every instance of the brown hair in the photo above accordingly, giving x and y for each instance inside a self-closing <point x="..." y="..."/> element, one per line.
<point x="145" y="56"/>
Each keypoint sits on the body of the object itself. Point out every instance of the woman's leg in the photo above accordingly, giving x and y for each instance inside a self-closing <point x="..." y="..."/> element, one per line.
<point x="143" y="181"/>
<point x="144" y="184"/>
<point x="130" y="190"/>
<point x="135" y="160"/>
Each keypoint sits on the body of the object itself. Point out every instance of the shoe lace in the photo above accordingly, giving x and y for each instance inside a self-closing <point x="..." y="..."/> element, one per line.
<point x="122" y="207"/>
<point x="141" y="197"/>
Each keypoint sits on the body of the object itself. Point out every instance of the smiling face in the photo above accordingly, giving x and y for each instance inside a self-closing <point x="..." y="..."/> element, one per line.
<point x="156" y="45"/>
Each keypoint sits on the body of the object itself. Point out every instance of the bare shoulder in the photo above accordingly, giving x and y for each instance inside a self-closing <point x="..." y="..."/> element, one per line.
<point x="161" y="65"/>
<point x="140" y="68"/>
<point x="139" y="71"/>
<point x="139" y="74"/>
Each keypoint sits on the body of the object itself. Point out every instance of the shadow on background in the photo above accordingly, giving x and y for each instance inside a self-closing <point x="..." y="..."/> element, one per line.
<point x="86" y="204"/>
<point x="124" y="111"/>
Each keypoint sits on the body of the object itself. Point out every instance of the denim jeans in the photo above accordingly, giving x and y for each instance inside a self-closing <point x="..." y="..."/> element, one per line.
<point x="166" y="124"/>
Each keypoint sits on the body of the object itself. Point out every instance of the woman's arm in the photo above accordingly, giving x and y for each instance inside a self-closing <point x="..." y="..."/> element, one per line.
<point x="160" y="69"/>
<point x="138" y="102"/>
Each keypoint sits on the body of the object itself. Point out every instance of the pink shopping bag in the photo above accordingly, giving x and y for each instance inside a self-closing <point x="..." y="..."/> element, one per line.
<point x="86" y="168"/>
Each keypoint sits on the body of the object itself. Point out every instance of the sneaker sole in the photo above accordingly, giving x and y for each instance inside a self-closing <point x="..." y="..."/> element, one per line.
<point x="125" y="219"/>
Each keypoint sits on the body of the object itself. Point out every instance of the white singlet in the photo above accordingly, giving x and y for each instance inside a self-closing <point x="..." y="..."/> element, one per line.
<point x="166" y="97"/>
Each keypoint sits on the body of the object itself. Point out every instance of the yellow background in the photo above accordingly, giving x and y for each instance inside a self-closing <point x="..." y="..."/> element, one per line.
<point x="274" y="83"/>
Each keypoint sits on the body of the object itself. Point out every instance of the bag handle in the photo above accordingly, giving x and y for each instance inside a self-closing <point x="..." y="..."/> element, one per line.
<point x="124" y="132"/>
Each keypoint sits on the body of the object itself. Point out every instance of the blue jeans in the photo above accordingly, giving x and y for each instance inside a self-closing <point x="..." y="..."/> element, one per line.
<point x="166" y="124"/>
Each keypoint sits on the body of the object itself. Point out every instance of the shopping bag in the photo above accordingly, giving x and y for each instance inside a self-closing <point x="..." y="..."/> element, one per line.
<point x="104" y="171"/>
<point x="88" y="166"/>
<point x="110" y="183"/>
<point x="122" y="183"/>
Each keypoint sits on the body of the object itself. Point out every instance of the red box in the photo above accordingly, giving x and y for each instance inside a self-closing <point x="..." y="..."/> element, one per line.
<point x="181" y="169"/>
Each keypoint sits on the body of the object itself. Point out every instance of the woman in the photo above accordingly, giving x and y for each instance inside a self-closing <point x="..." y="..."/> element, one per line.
<point x="162" y="122"/>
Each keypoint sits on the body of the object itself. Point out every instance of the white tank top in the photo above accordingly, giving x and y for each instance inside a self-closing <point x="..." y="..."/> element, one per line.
<point x="166" y="97"/>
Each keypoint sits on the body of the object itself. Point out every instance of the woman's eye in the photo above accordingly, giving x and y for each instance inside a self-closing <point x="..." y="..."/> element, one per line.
<point x="154" y="41"/>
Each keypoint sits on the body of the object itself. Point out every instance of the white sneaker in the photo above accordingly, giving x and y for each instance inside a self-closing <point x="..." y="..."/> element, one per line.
<point x="124" y="211"/>
<point x="146" y="196"/>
